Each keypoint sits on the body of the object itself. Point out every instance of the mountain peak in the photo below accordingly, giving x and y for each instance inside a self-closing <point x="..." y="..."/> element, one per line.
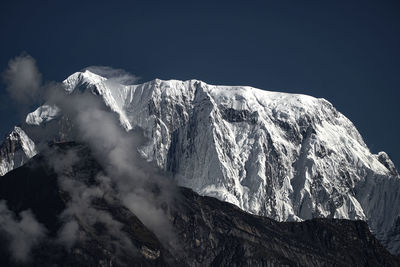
<point x="15" y="150"/>
<point x="387" y="162"/>
<point x="81" y="78"/>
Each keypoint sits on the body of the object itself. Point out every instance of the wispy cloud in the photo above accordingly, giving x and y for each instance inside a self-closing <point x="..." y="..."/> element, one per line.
<point x="22" y="233"/>
<point x="139" y="185"/>
<point x="135" y="183"/>
<point x="23" y="79"/>
<point x="115" y="75"/>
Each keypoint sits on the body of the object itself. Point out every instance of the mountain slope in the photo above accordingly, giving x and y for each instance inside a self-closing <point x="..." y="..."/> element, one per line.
<point x="286" y="156"/>
<point x="210" y="232"/>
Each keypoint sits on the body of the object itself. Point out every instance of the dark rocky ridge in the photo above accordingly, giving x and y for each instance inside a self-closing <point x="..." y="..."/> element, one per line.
<point x="210" y="232"/>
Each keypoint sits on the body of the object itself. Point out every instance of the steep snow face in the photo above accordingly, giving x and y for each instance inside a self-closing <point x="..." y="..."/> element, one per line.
<point x="16" y="149"/>
<point x="42" y="115"/>
<point x="285" y="156"/>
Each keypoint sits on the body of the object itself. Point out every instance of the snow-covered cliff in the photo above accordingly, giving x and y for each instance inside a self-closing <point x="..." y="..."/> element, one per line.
<point x="15" y="150"/>
<point x="285" y="156"/>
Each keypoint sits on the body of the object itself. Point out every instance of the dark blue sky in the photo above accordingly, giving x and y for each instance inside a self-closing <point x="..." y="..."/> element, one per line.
<point x="345" y="51"/>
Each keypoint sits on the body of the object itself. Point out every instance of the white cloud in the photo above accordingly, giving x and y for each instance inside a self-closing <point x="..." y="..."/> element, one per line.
<point x="114" y="75"/>
<point x="23" y="79"/>
<point x="22" y="233"/>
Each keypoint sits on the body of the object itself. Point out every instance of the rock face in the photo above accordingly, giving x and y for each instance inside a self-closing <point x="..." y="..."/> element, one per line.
<point x="15" y="150"/>
<point x="210" y="232"/>
<point x="216" y="233"/>
<point x="286" y="156"/>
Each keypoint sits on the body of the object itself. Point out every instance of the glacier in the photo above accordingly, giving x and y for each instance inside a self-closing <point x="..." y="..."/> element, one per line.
<point x="290" y="157"/>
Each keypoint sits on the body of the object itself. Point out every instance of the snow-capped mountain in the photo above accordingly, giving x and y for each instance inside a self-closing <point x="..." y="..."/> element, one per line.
<point x="290" y="157"/>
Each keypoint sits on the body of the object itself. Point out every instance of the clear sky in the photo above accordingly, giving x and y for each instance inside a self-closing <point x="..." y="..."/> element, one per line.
<point x="345" y="51"/>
